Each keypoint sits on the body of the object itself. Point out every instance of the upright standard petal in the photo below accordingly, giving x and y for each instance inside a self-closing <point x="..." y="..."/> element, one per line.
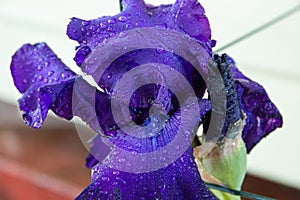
<point x="187" y="17"/>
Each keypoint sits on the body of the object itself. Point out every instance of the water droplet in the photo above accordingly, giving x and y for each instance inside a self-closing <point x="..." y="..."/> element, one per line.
<point x="116" y="172"/>
<point x="123" y="19"/>
<point x="64" y="75"/>
<point x="129" y="25"/>
<point x="50" y="73"/>
<point x="103" y="25"/>
<point x="159" y="50"/>
<point x="83" y="30"/>
<point x="27" y="119"/>
<point x="122" y="160"/>
<point x="166" y="60"/>
<point x="121" y="180"/>
<point x="92" y="28"/>
<point x="47" y="64"/>
<point x="40" y="67"/>
<point x="40" y="77"/>
<point x="85" y="23"/>
<point x="89" y="34"/>
<point x="111" y="21"/>
<point x="106" y="179"/>
<point x="36" y="125"/>
<point x="110" y="29"/>
<point x="109" y="75"/>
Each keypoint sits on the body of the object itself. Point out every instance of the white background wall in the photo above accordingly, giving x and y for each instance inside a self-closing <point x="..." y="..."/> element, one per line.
<point x="271" y="58"/>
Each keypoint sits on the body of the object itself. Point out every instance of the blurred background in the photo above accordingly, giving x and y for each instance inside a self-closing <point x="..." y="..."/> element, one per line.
<point x="50" y="162"/>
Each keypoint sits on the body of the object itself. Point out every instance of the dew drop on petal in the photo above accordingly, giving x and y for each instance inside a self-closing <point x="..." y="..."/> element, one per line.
<point x="122" y="160"/>
<point x="106" y="179"/>
<point x="123" y="19"/>
<point x="111" y="21"/>
<point x="85" y="23"/>
<point x="103" y="25"/>
<point x="40" y="67"/>
<point x="89" y="34"/>
<point x="27" y="119"/>
<point x="50" y="73"/>
<point x="116" y="172"/>
<point x="36" y="125"/>
<point x="159" y="50"/>
<point x="64" y="75"/>
<point x="40" y="77"/>
<point x="92" y="28"/>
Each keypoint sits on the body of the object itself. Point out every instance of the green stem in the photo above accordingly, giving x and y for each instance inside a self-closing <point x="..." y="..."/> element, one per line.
<point x="238" y="193"/>
<point x="121" y="5"/>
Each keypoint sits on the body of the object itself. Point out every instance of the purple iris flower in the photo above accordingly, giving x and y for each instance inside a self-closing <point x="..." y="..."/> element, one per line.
<point x="48" y="84"/>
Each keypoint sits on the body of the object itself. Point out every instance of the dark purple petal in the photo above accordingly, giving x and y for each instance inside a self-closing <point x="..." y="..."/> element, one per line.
<point x="81" y="54"/>
<point x="180" y="180"/>
<point x="133" y="5"/>
<point x="186" y="16"/>
<point x="263" y="117"/>
<point x="190" y="17"/>
<point x="91" y="161"/>
<point x="40" y="76"/>
<point x="51" y="85"/>
<point x="127" y="142"/>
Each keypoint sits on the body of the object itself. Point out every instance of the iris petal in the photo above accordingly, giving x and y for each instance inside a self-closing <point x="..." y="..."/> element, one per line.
<point x="184" y="16"/>
<point x="40" y="76"/>
<point x="46" y="83"/>
<point x="180" y="180"/>
<point x="263" y="117"/>
<point x="129" y="143"/>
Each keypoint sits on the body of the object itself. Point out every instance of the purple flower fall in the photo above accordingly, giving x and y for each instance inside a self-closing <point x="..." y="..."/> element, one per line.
<point x="48" y="84"/>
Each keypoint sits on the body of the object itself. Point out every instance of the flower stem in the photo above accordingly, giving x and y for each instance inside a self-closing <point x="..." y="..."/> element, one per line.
<point x="121" y="5"/>
<point x="236" y="192"/>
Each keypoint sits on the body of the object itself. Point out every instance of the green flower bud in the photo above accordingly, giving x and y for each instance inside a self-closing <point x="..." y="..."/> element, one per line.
<point x="225" y="164"/>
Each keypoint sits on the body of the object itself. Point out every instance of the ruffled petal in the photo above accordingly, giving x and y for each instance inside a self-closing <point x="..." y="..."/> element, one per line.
<point x="186" y="16"/>
<point x="133" y="5"/>
<point x="41" y="77"/>
<point x="46" y="83"/>
<point x="190" y="17"/>
<point x="138" y="145"/>
<point x="180" y="180"/>
<point x="263" y="117"/>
